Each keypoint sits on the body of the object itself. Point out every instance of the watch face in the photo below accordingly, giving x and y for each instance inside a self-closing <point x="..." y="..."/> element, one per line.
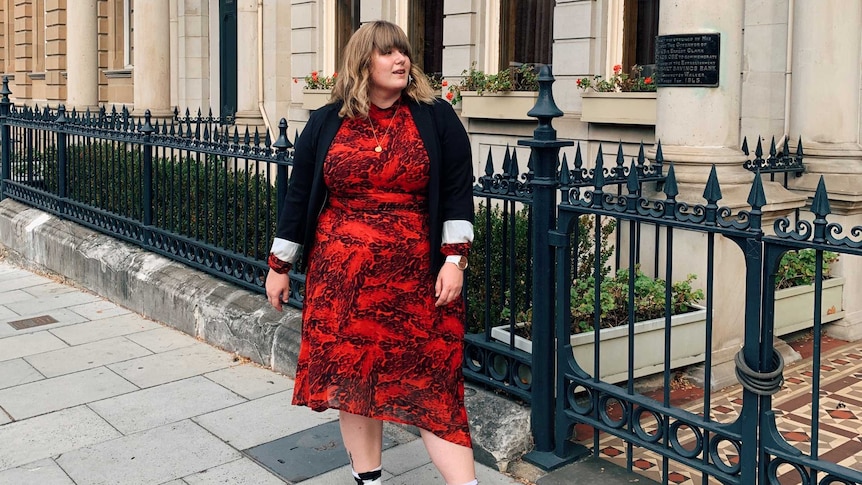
<point x="462" y="263"/>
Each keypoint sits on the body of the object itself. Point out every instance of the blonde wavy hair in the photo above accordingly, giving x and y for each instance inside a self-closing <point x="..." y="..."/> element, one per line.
<point x="353" y="81"/>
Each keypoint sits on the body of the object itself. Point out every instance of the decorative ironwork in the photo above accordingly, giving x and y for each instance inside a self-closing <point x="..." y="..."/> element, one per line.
<point x="777" y="162"/>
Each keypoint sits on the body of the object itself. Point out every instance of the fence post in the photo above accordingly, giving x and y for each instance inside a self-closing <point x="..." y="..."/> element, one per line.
<point x="62" y="159"/>
<point x="147" y="177"/>
<point x="5" y="133"/>
<point x="545" y="150"/>
<point x="282" y="144"/>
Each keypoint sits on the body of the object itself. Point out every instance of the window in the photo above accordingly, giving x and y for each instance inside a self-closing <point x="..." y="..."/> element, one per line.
<point x="346" y="23"/>
<point x="426" y="35"/>
<point x="128" y="33"/>
<point x="640" y="28"/>
<point x="526" y="31"/>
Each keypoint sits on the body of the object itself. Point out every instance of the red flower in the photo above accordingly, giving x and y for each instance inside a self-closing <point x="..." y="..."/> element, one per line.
<point x="450" y="95"/>
<point x="578" y="82"/>
<point x="648" y="80"/>
<point x="617" y="68"/>
<point x="295" y="80"/>
<point x="444" y="83"/>
<point x="314" y="76"/>
<point x="334" y="75"/>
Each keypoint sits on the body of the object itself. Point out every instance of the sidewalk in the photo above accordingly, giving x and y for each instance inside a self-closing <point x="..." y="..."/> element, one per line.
<point x="91" y="393"/>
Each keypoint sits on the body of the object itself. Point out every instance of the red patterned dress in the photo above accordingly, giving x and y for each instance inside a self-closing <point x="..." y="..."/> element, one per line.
<point x="373" y="343"/>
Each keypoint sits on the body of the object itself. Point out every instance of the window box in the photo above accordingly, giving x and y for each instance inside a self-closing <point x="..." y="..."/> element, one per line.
<point x="687" y="346"/>
<point x="619" y="108"/>
<point x="794" y="307"/>
<point x="505" y="105"/>
<point x="315" y="98"/>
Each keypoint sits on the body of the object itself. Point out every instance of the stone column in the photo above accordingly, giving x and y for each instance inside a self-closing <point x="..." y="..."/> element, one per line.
<point x="247" y="97"/>
<point x="826" y="46"/>
<point x="82" y="56"/>
<point x="152" y="70"/>
<point x="698" y="128"/>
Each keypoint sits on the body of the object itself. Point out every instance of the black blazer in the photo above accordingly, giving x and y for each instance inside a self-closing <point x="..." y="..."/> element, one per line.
<point x="450" y="190"/>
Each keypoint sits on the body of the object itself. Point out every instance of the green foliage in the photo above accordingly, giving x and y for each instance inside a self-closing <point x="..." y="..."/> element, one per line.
<point x="797" y="268"/>
<point x="508" y="272"/>
<point x="222" y="201"/>
<point x="649" y="293"/>
<point x="619" y="82"/>
<point x="649" y="299"/>
<point x="518" y="78"/>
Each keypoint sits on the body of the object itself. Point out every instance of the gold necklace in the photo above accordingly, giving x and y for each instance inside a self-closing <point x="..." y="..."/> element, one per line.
<point x="379" y="147"/>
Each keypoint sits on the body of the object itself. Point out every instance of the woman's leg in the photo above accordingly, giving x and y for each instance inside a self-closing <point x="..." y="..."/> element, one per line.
<point x="363" y="438"/>
<point x="455" y="462"/>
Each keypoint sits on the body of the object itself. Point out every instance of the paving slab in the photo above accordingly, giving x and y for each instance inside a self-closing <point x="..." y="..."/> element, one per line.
<point x="306" y="454"/>
<point x="86" y="356"/>
<point x="16" y="372"/>
<point x="593" y="470"/>
<point x="51" y="289"/>
<point x="10" y="297"/>
<point x="173" y="365"/>
<point x="28" y="344"/>
<point x="163" y="339"/>
<point x="250" y="381"/>
<point x="401" y="459"/>
<point x="239" y="472"/>
<point x="114" y="326"/>
<point x="62" y="317"/>
<point x="151" y="457"/>
<point x="42" y="472"/>
<point x="99" y="309"/>
<point x="66" y="391"/>
<point x="52" y="434"/>
<point x="50" y="297"/>
<point x="429" y="474"/>
<point x="4" y="418"/>
<point x="20" y="280"/>
<point x="262" y="420"/>
<point x="164" y="404"/>
<point x="7" y="314"/>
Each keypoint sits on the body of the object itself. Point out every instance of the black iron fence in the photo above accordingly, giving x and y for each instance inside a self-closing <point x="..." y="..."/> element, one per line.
<point x="192" y="188"/>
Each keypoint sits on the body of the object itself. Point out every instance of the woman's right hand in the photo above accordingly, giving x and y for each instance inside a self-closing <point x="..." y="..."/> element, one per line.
<point x="277" y="288"/>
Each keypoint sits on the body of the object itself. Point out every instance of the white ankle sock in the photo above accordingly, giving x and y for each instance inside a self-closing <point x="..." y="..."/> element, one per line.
<point x="372" y="477"/>
<point x="474" y="482"/>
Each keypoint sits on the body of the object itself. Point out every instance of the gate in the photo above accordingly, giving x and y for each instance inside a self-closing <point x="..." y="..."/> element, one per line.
<point x="750" y="447"/>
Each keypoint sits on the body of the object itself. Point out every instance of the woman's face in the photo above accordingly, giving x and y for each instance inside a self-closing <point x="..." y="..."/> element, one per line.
<point x="389" y="71"/>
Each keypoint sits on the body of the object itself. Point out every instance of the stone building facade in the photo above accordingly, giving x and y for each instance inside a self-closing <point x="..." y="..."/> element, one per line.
<point x="786" y="69"/>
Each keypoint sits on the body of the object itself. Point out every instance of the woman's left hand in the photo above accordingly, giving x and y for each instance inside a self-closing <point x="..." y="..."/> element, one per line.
<point x="450" y="281"/>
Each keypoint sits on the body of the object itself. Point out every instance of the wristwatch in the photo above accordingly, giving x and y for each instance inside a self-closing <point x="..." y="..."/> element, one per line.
<point x="459" y="261"/>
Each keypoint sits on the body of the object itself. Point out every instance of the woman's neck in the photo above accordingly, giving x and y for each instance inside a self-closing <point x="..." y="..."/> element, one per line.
<point x="384" y="99"/>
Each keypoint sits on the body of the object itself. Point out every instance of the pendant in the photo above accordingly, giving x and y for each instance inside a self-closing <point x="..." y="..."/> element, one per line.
<point x="378" y="149"/>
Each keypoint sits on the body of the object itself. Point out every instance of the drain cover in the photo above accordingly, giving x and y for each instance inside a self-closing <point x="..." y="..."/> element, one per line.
<point x="32" y="322"/>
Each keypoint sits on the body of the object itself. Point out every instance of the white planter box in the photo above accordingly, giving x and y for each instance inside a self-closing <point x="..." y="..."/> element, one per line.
<point x="794" y="307"/>
<point x="315" y="98"/>
<point x="688" y="339"/>
<point x="509" y="105"/>
<point x="619" y="108"/>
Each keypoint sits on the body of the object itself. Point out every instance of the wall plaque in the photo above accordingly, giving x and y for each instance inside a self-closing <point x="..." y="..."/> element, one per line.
<point x="687" y="60"/>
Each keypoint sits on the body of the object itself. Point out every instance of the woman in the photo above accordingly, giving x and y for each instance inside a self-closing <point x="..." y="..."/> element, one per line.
<point x="380" y="207"/>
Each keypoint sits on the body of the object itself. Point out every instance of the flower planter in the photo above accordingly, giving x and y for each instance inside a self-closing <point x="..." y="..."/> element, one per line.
<point x="688" y="339"/>
<point x="315" y="98"/>
<point x="794" y="307"/>
<point x="509" y="105"/>
<point x="619" y="108"/>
